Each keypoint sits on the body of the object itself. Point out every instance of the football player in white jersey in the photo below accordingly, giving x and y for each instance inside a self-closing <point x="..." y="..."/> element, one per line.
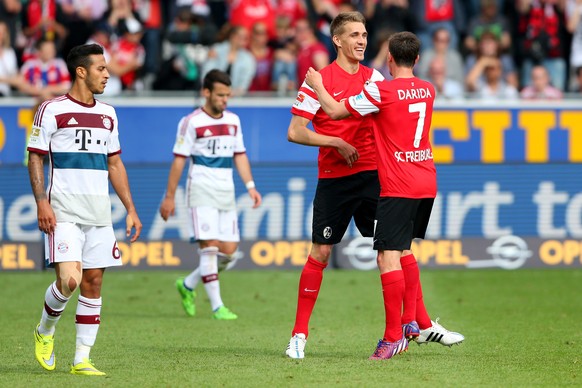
<point x="80" y="136"/>
<point x="211" y="137"/>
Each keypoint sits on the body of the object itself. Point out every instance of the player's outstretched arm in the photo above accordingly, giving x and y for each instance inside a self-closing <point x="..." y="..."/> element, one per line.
<point x="46" y="217"/>
<point x="120" y="183"/>
<point x="243" y="166"/>
<point x="168" y="206"/>
<point x="334" y="109"/>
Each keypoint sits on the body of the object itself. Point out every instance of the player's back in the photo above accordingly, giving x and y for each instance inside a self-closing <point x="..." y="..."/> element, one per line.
<point x="402" y="133"/>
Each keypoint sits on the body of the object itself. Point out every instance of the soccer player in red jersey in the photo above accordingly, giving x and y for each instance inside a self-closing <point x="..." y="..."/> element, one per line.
<point x="402" y="113"/>
<point x="348" y="180"/>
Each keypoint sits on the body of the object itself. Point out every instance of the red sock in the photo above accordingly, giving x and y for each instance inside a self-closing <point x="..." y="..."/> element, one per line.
<point x="393" y="292"/>
<point x="309" y="284"/>
<point x="422" y="317"/>
<point x="412" y="281"/>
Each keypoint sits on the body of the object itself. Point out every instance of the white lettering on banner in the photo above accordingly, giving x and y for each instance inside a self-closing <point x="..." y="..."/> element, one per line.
<point x="574" y="216"/>
<point x="272" y="207"/>
<point x="547" y="198"/>
<point x="287" y="214"/>
<point x="22" y="212"/>
<point x="490" y="199"/>
<point x="414" y="94"/>
<point x="296" y="208"/>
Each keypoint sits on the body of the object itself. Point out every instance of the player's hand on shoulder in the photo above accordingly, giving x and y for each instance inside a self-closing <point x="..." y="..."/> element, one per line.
<point x="167" y="208"/>
<point x="132" y="221"/>
<point x="347" y="151"/>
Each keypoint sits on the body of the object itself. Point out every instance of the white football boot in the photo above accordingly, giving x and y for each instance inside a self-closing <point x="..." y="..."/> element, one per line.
<point x="437" y="333"/>
<point x="296" y="347"/>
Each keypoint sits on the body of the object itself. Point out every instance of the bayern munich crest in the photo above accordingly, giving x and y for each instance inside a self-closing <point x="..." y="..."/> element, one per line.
<point x="62" y="247"/>
<point x="107" y="122"/>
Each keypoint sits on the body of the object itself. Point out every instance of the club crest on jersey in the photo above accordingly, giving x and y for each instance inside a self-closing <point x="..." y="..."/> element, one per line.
<point x="327" y="232"/>
<point x="205" y="227"/>
<point x="63" y="247"/>
<point x="107" y="122"/>
<point x="231" y="130"/>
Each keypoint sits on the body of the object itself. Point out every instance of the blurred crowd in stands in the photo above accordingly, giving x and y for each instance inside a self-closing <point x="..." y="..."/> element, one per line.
<point x="483" y="49"/>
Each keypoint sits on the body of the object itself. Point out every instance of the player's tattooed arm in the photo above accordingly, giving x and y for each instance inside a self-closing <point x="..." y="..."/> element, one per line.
<point x="36" y="174"/>
<point x="46" y="217"/>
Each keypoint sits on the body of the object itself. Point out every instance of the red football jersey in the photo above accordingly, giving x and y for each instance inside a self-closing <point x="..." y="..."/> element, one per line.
<point x="356" y="131"/>
<point x="403" y="113"/>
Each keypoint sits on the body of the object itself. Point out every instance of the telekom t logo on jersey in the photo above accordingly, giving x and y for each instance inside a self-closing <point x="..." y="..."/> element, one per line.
<point x="83" y="136"/>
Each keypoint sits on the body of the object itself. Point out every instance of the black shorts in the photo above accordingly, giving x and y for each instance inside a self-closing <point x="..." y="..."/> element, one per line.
<point x="399" y="221"/>
<point x="337" y="200"/>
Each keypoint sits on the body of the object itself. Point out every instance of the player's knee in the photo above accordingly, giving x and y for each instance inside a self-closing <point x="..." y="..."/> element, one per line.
<point x="69" y="283"/>
<point x="208" y="260"/>
<point x="225" y="260"/>
<point x="321" y="253"/>
<point x="406" y="252"/>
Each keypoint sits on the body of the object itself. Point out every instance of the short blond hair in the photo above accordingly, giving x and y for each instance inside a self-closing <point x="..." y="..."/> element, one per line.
<point x="337" y="25"/>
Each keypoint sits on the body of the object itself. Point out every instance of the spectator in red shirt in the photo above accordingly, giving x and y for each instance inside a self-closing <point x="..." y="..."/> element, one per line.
<point x="264" y="58"/>
<point x="41" y="18"/>
<point x="129" y="54"/>
<point x="247" y="13"/>
<point x="311" y="52"/>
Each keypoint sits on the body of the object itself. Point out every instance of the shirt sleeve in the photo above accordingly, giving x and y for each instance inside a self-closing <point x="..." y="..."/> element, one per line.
<point x="366" y="102"/>
<point x="239" y="145"/>
<point x="306" y="104"/>
<point x="113" y="145"/>
<point x="185" y="137"/>
<point x="376" y="76"/>
<point x="43" y="128"/>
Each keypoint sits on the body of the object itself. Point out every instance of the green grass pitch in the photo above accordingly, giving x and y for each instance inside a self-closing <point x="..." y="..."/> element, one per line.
<point x="522" y="328"/>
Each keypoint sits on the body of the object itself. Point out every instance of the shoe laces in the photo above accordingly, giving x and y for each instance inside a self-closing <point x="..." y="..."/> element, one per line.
<point x="381" y="347"/>
<point x="46" y="340"/>
<point x="436" y="325"/>
<point x="90" y="362"/>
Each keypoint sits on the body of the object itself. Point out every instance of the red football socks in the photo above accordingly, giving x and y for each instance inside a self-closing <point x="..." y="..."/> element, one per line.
<point x="393" y="292"/>
<point x="412" y="280"/>
<point x="422" y="317"/>
<point x="309" y="285"/>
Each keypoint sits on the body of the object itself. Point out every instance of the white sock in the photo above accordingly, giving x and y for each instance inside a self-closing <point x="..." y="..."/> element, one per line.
<point x="209" y="274"/>
<point x="192" y="280"/>
<point x="87" y="324"/>
<point x="54" y="305"/>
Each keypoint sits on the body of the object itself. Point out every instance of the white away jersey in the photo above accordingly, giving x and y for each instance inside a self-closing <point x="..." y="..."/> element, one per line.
<point x="211" y="144"/>
<point x="78" y="139"/>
